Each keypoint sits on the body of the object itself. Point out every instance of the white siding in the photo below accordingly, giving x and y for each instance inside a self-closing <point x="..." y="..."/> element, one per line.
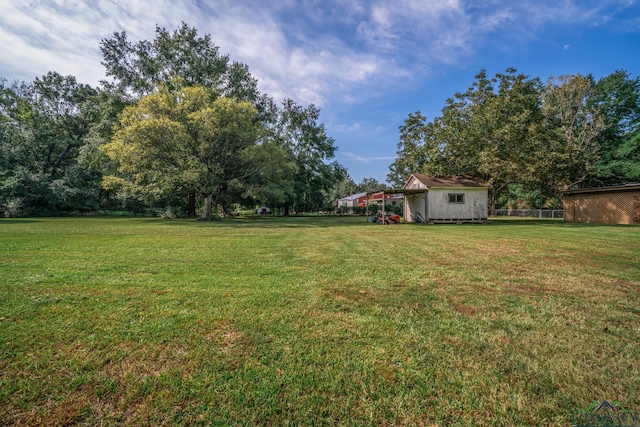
<point x="475" y="204"/>
<point x="414" y="184"/>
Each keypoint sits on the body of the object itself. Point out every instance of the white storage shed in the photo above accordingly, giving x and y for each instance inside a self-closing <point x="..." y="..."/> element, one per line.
<point x="445" y="200"/>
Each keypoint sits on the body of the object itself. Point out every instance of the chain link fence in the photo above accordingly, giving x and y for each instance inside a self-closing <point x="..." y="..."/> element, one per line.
<point x="531" y="213"/>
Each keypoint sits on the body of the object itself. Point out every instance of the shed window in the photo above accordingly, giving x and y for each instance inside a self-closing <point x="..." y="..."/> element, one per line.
<point x="456" y="197"/>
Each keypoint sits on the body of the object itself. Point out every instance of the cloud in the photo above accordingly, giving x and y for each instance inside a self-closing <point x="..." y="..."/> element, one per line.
<point x="335" y="49"/>
<point x="359" y="158"/>
<point x="298" y="59"/>
<point x="345" y="128"/>
<point x="64" y="36"/>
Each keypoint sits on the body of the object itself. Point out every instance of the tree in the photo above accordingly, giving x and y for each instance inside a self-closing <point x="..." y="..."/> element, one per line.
<point x="184" y="140"/>
<point x="299" y="132"/>
<point x="489" y="131"/>
<point x="181" y="57"/>
<point x="617" y="98"/>
<point x="412" y="149"/>
<point x="273" y="181"/>
<point x="46" y="126"/>
<point x="370" y="184"/>
<point x="575" y="127"/>
<point x="342" y="188"/>
<point x="506" y="128"/>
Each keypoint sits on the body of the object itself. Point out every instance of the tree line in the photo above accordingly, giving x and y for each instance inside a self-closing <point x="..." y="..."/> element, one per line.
<point x="529" y="140"/>
<point x="179" y="125"/>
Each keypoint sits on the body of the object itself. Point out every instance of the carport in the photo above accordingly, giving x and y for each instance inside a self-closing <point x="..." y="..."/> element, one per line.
<point x="400" y="191"/>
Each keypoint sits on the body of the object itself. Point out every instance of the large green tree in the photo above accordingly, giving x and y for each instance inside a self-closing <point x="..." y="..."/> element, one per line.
<point x="617" y="98"/>
<point x="300" y="133"/>
<point x="490" y="132"/>
<point x="534" y="139"/>
<point x="179" y="56"/>
<point x="296" y="147"/>
<point x="574" y="127"/>
<point x="184" y="140"/>
<point x="45" y="128"/>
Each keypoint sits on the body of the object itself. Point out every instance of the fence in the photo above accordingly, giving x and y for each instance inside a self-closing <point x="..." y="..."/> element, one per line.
<point x="531" y="213"/>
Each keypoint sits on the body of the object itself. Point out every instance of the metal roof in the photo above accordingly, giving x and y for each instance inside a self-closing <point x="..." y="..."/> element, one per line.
<point x="624" y="187"/>
<point x="461" y="181"/>
<point x="353" y="196"/>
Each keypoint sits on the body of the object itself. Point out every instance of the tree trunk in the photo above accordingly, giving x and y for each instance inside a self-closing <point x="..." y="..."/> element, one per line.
<point x="286" y="209"/>
<point x="208" y="201"/>
<point x="492" y="210"/>
<point x="56" y="164"/>
<point x="191" y="204"/>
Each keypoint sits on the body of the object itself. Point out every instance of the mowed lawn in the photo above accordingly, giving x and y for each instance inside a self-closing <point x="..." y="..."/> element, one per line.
<point x="315" y="321"/>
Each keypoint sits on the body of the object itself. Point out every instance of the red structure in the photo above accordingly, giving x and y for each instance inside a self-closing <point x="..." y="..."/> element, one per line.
<point x="389" y="199"/>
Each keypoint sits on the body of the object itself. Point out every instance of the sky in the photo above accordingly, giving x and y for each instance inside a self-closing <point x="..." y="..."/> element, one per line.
<point x="366" y="64"/>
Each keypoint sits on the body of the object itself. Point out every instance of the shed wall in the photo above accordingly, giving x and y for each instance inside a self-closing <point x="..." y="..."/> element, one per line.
<point x="475" y="206"/>
<point x="616" y="207"/>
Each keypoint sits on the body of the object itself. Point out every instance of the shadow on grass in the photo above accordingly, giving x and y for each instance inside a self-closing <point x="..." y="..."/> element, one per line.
<point x="558" y="223"/>
<point x="272" y="222"/>
<point x="348" y="221"/>
<point x="5" y="221"/>
<point x="323" y="222"/>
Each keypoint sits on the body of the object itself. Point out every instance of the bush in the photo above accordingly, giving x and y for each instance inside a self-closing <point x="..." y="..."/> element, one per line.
<point x="13" y="208"/>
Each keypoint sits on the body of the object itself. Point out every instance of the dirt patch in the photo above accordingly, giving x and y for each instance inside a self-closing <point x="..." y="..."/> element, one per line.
<point x="499" y="249"/>
<point x="147" y="362"/>
<point x="349" y="295"/>
<point x="461" y="307"/>
<point x="465" y="310"/>
<point x="503" y="339"/>
<point x="65" y="412"/>
<point x="531" y="289"/>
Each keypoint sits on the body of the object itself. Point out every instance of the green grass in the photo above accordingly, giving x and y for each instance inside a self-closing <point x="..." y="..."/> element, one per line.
<point x="315" y="321"/>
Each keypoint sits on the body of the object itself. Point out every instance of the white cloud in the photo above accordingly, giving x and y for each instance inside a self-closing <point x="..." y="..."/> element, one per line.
<point x="345" y="128"/>
<point x="358" y="158"/>
<point x="287" y="46"/>
<point x="64" y="36"/>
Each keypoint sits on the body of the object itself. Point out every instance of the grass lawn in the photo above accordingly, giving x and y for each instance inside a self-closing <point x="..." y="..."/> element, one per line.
<point x="315" y="321"/>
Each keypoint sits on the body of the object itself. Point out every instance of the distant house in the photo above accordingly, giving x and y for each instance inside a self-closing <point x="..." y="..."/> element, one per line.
<point x="619" y="204"/>
<point x="364" y="199"/>
<point x="445" y="200"/>
<point x="377" y="197"/>
<point x="351" y="201"/>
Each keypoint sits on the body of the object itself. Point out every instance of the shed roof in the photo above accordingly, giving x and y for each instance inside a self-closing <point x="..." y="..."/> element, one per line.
<point x="462" y="181"/>
<point x="611" y="188"/>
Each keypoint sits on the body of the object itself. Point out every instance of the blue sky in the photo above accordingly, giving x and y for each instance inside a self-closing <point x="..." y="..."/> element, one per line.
<point x="366" y="64"/>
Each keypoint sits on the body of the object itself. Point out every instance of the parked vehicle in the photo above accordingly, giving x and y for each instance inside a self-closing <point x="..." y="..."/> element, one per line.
<point x="386" y="219"/>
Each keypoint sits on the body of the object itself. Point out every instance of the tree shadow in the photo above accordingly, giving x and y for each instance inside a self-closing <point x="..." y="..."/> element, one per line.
<point x="555" y="223"/>
<point x="6" y="221"/>
<point x="271" y="222"/>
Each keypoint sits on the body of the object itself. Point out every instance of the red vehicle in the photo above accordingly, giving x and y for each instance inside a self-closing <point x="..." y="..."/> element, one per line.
<point x="387" y="219"/>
